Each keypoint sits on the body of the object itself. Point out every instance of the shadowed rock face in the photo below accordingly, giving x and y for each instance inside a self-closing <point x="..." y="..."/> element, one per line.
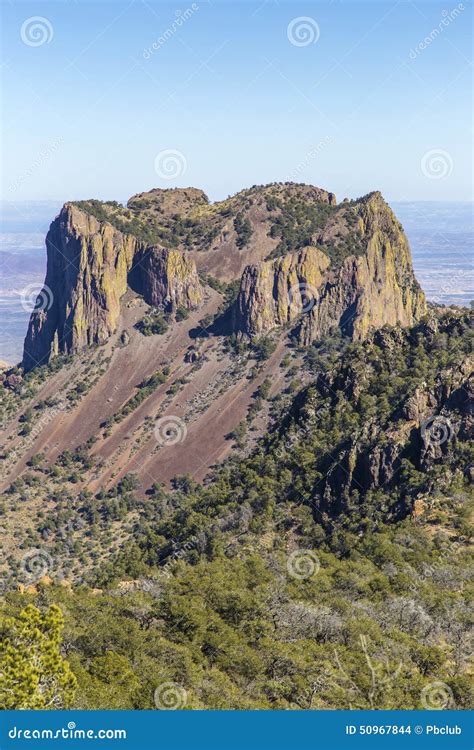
<point x="353" y="272"/>
<point x="167" y="278"/>
<point x="88" y="265"/>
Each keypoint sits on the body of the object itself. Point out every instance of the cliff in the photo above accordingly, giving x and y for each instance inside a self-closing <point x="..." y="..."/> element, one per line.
<point x="167" y="278"/>
<point x="275" y="293"/>
<point x="358" y="278"/>
<point x="302" y="259"/>
<point x="89" y="263"/>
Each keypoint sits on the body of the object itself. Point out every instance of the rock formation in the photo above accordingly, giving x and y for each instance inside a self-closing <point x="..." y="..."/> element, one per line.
<point x="345" y="266"/>
<point x="167" y="278"/>
<point x="368" y="290"/>
<point x="274" y="293"/>
<point x="373" y="289"/>
<point x="88" y="267"/>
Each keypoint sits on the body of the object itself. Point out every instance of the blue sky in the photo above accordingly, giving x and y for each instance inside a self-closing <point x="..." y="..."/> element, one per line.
<point x="359" y="107"/>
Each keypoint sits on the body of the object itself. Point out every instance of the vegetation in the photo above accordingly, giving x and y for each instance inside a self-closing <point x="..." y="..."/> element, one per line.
<point x="263" y="347"/>
<point x="33" y="673"/>
<point x="297" y="223"/>
<point x="155" y="323"/>
<point x="145" y="389"/>
<point x="145" y="221"/>
<point x="378" y="612"/>
<point x="323" y="566"/>
<point x="243" y="229"/>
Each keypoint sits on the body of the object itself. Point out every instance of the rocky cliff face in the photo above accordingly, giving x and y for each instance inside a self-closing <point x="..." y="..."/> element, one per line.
<point x="345" y="266"/>
<point x="167" y="279"/>
<point x="372" y="287"/>
<point x="88" y="267"/>
<point x="275" y="293"/>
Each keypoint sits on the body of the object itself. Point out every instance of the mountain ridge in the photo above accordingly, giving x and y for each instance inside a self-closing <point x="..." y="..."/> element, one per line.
<point x="94" y="251"/>
<point x="261" y="512"/>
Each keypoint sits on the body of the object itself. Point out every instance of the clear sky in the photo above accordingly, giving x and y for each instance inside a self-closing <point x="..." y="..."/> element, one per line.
<point x="354" y="97"/>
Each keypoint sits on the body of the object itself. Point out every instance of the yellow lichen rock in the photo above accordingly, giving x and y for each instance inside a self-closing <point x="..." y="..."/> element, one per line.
<point x="89" y="263"/>
<point x="371" y="288"/>
<point x="275" y="293"/>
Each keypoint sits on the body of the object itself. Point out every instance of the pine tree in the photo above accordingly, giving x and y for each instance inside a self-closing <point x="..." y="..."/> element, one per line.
<point x="33" y="673"/>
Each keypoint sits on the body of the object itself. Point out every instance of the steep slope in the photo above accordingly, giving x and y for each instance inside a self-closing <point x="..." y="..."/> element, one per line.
<point x="252" y="439"/>
<point x="149" y="334"/>
<point x="376" y="432"/>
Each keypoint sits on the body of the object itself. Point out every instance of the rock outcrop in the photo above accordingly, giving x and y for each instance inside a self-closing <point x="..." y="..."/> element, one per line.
<point x="424" y="428"/>
<point x="167" y="278"/>
<point x="88" y="267"/>
<point x="277" y="292"/>
<point x="372" y="289"/>
<point x="367" y="290"/>
<point x="351" y="269"/>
